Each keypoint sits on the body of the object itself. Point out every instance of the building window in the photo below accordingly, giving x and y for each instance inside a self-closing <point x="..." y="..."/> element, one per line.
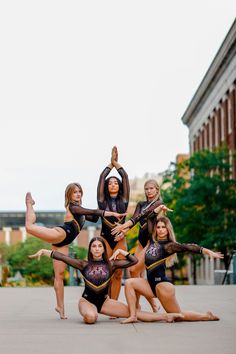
<point x="229" y="111"/>
<point x="222" y="124"/>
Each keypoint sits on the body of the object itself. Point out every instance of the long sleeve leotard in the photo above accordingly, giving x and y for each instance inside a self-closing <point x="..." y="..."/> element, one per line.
<point x="114" y="204"/>
<point x="77" y="217"/>
<point x="97" y="275"/>
<point x="156" y="255"/>
<point x="142" y="211"/>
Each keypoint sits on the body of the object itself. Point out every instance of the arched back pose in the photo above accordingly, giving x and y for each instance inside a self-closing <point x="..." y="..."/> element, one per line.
<point x="97" y="272"/>
<point x="61" y="236"/>
<point x="160" y="252"/>
<point x="113" y="195"/>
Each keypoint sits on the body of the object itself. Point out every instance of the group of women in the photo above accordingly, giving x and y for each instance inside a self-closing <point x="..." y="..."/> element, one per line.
<point x="108" y="255"/>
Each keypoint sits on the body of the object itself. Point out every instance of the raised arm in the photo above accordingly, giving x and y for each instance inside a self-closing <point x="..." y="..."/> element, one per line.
<point x="125" y="182"/>
<point x="122" y="173"/>
<point x="101" y="183"/>
<point x="122" y="263"/>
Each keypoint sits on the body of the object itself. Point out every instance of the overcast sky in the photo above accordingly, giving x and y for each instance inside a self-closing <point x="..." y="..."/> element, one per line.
<point x="77" y="77"/>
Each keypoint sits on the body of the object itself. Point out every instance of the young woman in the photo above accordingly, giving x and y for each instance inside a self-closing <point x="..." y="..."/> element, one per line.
<point x="61" y="236"/>
<point x="113" y="195"/>
<point x="97" y="272"/>
<point x="161" y="252"/>
<point x="153" y="205"/>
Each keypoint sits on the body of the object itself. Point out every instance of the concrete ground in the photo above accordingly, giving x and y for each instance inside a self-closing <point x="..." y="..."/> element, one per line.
<point x="29" y="324"/>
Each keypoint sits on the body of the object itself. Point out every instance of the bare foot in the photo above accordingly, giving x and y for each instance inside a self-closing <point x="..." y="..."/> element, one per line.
<point x="29" y="199"/>
<point x="171" y="317"/>
<point x="61" y="313"/>
<point x="131" y="319"/>
<point x="112" y="317"/>
<point x="212" y="317"/>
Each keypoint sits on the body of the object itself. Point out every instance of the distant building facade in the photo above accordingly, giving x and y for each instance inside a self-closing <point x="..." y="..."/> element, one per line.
<point x="12" y="229"/>
<point x="211" y="114"/>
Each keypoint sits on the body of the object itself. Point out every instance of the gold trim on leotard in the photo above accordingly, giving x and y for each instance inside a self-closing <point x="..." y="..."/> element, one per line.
<point x="103" y="285"/>
<point x="161" y="261"/>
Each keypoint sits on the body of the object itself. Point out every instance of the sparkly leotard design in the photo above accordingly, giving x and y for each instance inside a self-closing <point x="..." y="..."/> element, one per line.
<point x="156" y="255"/>
<point x="97" y="275"/>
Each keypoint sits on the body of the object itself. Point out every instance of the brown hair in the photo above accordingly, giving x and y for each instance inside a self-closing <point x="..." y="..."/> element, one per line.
<point x="69" y="190"/>
<point x="171" y="237"/>
<point x="104" y="255"/>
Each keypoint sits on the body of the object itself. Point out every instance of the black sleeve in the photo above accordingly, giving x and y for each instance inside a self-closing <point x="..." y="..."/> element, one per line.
<point x="101" y="182"/>
<point x="125" y="182"/>
<point x="77" y="209"/>
<point x="125" y="263"/>
<point x="92" y="218"/>
<point x="175" y="247"/>
<point x="137" y="211"/>
<point x="75" y="263"/>
<point x="147" y="212"/>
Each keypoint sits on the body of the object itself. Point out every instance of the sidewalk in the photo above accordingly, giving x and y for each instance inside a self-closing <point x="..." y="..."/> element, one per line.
<point x="29" y="325"/>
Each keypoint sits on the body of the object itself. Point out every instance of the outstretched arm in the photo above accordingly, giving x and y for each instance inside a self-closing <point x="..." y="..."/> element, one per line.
<point x="75" y="263"/>
<point x="77" y="209"/>
<point x="175" y="247"/>
<point x="153" y="209"/>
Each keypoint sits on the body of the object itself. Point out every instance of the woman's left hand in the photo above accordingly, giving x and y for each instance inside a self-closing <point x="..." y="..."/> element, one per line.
<point x="161" y="208"/>
<point x="116" y="254"/>
<point x="212" y="254"/>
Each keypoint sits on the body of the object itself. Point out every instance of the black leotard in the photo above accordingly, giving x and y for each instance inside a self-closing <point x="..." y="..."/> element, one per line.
<point x="143" y="235"/>
<point x="157" y="253"/>
<point x="120" y="206"/>
<point x="97" y="275"/>
<point x="78" y="217"/>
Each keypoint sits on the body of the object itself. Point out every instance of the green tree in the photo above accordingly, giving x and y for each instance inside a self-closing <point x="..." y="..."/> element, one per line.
<point x="203" y="196"/>
<point x="33" y="270"/>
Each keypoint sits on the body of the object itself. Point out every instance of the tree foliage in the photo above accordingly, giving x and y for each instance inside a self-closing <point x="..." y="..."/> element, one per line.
<point x="34" y="271"/>
<point x="202" y="194"/>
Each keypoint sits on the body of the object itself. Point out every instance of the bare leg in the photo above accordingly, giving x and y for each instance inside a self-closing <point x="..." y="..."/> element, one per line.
<point x="118" y="309"/>
<point x="136" y="271"/>
<point x="132" y="286"/>
<point x="50" y="235"/>
<point x="88" y="311"/>
<point x="116" y="280"/>
<point x="59" y="270"/>
<point x="166" y="294"/>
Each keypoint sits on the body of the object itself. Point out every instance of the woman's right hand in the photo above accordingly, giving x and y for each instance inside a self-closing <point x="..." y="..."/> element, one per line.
<point x="42" y="252"/>
<point x="119" y="228"/>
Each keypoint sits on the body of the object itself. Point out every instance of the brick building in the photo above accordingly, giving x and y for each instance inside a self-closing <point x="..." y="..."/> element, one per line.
<point x="211" y="114"/>
<point x="12" y="228"/>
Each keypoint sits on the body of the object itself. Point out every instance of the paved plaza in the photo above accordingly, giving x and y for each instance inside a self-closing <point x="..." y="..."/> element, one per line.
<point x="29" y="324"/>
